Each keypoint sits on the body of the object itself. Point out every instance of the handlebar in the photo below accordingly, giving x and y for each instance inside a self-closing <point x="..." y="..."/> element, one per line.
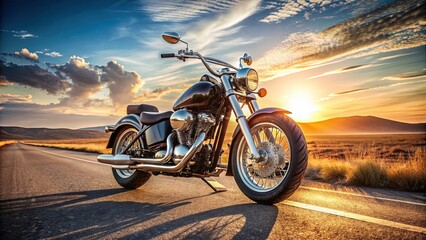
<point x="204" y="60"/>
<point x="168" y="55"/>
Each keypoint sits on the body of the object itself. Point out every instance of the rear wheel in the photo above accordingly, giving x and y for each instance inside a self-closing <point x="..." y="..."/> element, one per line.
<point x="130" y="179"/>
<point x="279" y="173"/>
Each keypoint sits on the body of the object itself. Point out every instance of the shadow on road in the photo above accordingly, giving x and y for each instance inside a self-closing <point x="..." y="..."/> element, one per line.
<point x="78" y="215"/>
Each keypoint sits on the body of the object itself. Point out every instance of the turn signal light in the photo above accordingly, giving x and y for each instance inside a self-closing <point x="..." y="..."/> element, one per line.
<point x="262" y="92"/>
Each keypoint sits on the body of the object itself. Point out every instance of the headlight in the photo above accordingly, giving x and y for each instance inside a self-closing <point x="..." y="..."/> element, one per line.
<point x="247" y="79"/>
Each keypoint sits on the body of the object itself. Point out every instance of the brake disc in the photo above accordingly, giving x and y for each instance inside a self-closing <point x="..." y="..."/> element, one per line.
<point x="266" y="167"/>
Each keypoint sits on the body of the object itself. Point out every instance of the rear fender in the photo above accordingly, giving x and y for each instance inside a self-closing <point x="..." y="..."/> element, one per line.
<point x="270" y="110"/>
<point x="129" y="120"/>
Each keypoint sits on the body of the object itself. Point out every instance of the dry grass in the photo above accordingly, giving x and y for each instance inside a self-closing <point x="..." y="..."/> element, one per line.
<point x="85" y="145"/>
<point x="395" y="161"/>
<point x="3" y="143"/>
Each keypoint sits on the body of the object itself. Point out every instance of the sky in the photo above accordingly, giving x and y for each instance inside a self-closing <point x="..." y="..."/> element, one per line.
<point x="77" y="64"/>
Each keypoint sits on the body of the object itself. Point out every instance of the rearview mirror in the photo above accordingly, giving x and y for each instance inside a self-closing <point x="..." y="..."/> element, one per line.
<point x="171" y="37"/>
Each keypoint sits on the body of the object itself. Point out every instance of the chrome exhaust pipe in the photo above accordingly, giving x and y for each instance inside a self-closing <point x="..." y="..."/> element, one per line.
<point x="123" y="159"/>
<point x="168" y="168"/>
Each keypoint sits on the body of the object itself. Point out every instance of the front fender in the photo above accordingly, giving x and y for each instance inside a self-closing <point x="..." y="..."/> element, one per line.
<point x="129" y="120"/>
<point x="270" y="110"/>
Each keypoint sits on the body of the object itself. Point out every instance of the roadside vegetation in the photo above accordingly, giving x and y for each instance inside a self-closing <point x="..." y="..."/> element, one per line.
<point x="393" y="161"/>
<point x="6" y="142"/>
<point x="84" y="145"/>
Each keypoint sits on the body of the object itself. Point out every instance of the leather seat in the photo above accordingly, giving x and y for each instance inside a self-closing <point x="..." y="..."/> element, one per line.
<point x="150" y="118"/>
<point x="137" y="109"/>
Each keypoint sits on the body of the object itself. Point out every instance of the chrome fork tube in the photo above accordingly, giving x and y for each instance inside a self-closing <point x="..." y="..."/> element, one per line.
<point x="241" y="118"/>
<point x="252" y="104"/>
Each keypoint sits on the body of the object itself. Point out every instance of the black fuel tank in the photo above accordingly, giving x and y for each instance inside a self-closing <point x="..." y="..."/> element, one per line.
<point x="200" y="95"/>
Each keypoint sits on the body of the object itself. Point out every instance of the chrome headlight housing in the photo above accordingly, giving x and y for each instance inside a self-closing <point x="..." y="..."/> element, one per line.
<point x="247" y="79"/>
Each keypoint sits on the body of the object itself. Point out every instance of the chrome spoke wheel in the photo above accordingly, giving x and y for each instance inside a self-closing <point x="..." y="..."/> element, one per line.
<point x="125" y="139"/>
<point x="271" y="170"/>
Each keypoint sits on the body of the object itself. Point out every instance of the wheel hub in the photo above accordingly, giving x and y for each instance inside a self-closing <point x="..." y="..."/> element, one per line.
<point x="269" y="162"/>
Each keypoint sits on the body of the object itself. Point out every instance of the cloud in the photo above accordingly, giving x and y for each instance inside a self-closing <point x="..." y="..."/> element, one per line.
<point x="156" y="94"/>
<point x="122" y="84"/>
<point x="85" y="79"/>
<point x="360" y="90"/>
<point x="346" y="69"/>
<point x="33" y="76"/>
<point x="389" y="28"/>
<point x="12" y="98"/>
<point x="207" y="31"/>
<point x="394" y="56"/>
<point x="53" y="54"/>
<point x="182" y="10"/>
<point x="286" y="9"/>
<point x="405" y="77"/>
<point x="22" y="34"/>
<point x="26" y="54"/>
<point x="4" y="82"/>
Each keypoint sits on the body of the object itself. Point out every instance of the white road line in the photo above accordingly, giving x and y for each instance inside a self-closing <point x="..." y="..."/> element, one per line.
<point x="356" y="216"/>
<point x="78" y="159"/>
<point x="363" y="195"/>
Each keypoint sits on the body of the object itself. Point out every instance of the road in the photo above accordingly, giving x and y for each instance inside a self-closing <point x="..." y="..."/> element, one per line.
<point x="58" y="194"/>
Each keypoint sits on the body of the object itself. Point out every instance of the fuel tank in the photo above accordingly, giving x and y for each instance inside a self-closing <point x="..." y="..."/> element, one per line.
<point x="199" y="96"/>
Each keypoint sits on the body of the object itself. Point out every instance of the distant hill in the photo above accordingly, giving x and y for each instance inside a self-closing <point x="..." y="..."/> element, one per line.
<point x="99" y="128"/>
<point x="19" y="133"/>
<point x="361" y="125"/>
<point x="343" y="125"/>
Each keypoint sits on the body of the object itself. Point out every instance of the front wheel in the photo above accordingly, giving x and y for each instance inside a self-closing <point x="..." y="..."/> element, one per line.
<point x="130" y="179"/>
<point x="280" y="171"/>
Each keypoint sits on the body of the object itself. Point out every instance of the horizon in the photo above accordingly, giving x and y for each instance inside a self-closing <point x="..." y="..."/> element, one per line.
<point x="75" y="65"/>
<point x="230" y="128"/>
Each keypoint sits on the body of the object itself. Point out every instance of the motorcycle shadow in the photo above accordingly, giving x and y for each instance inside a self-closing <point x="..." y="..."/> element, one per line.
<point x="77" y="215"/>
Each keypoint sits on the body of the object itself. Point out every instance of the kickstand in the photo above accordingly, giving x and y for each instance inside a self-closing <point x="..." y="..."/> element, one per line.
<point x="215" y="185"/>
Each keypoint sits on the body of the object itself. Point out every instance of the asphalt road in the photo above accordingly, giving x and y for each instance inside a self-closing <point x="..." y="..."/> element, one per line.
<point x="44" y="195"/>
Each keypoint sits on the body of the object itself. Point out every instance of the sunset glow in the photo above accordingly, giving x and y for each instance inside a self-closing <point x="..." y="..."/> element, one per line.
<point x="303" y="109"/>
<point x="82" y="63"/>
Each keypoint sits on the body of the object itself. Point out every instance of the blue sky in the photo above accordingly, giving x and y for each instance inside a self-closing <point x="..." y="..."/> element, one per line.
<point x="82" y="62"/>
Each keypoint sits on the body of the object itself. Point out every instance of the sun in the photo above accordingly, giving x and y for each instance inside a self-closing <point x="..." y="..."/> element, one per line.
<point x="302" y="107"/>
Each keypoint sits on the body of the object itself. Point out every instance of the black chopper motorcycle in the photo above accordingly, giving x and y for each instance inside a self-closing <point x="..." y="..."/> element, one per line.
<point x="268" y="153"/>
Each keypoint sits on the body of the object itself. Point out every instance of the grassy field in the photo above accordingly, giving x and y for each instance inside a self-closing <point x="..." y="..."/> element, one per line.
<point x="6" y="142"/>
<point x="97" y="145"/>
<point x="394" y="160"/>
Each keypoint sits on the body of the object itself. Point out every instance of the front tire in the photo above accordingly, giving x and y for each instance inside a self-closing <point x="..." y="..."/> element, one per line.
<point x="130" y="179"/>
<point x="280" y="173"/>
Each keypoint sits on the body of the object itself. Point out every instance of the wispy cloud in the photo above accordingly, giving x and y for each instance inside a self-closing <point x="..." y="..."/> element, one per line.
<point x="22" y="34"/>
<point x="389" y="28"/>
<point x="13" y="98"/>
<point x="405" y="77"/>
<point x="360" y="90"/>
<point x="284" y="9"/>
<point x="346" y="69"/>
<point x="4" y="82"/>
<point x="394" y="56"/>
<point x="53" y="54"/>
<point x="183" y="10"/>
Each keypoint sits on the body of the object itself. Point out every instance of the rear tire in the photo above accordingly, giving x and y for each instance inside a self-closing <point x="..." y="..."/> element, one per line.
<point x="130" y="179"/>
<point x="295" y="158"/>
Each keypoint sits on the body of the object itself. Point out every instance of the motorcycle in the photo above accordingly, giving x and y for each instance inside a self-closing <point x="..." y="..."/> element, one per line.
<point x="267" y="155"/>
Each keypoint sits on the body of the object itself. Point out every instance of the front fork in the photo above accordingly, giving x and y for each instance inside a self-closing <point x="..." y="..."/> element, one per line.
<point x="241" y="118"/>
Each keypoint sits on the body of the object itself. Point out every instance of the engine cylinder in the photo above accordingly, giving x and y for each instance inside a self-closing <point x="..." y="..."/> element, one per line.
<point x="182" y="119"/>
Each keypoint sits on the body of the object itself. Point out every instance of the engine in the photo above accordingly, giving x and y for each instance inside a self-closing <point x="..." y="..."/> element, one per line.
<point x="188" y="126"/>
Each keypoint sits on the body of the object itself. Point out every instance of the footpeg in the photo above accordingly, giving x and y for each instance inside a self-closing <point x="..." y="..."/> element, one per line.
<point x="215" y="185"/>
